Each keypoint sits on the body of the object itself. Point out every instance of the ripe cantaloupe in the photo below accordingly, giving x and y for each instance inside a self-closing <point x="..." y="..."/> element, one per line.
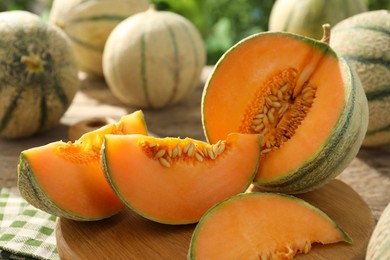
<point x="175" y="181"/>
<point x="66" y="179"/>
<point x="88" y="25"/>
<point x="153" y="59"/>
<point x="38" y="74"/>
<point x="262" y="226"/>
<point x="364" y="41"/>
<point x="296" y="91"/>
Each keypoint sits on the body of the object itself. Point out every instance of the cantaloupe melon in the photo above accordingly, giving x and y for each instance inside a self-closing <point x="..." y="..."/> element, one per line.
<point x="175" y="181"/>
<point x="296" y="91"/>
<point x="304" y="17"/>
<point x="66" y="179"/>
<point x="262" y="226"/>
<point x="379" y="244"/>
<point x="154" y="59"/>
<point x="88" y="23"/>
<point x="364" y="41"/>
<point x="38" y="74"/>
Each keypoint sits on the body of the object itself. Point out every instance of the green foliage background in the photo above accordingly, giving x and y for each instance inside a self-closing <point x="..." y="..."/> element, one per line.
<point x="220" y="22"/>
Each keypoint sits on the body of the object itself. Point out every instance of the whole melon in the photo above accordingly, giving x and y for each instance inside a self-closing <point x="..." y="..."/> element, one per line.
<point x="364" y="41"/>
<point x="379" y="244"/>
<point x="305" y="17"/>
<point x="88" y="24"/>
<point x="38" y="74"/>
<point x="153" y="59"/>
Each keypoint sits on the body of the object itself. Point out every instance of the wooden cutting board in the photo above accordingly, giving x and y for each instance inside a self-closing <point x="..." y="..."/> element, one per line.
<point x="130" y="236"/>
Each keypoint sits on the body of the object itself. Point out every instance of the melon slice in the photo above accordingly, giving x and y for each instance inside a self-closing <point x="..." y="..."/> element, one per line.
<point x="262" y="226"/>
<point x="306" y="101"/>
<point x="175" y="181"/>
<point x="66" y="179"/>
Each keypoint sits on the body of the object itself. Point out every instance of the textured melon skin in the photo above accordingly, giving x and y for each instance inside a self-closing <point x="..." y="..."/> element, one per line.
<point x="88" y="25"/>
<point x="33" y="99"/>
<point x="338" y="150"/>
<point x="364" y="41"/>
<point x="305" y="17"/>
<point x="379" y="244"/>
<point x="153" y="59"/>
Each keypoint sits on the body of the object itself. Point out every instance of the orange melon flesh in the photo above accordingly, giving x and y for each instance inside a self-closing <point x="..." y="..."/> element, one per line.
<point x="317" y="125"/>
<point x="257" y="225"/>
<point x="182" y="192"/>
<point x="249" y="67"/>
<point x="70" y="174"/>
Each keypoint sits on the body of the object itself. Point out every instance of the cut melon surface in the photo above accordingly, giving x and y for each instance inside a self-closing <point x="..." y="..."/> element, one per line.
<point x="262" y="226"/>
<point x="66" y="179"/>
<point x="306" y="101"/>
<point x="175" y="181"/>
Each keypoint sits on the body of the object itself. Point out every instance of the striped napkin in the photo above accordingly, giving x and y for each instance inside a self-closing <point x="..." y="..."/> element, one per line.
<point x="25" y="232"/>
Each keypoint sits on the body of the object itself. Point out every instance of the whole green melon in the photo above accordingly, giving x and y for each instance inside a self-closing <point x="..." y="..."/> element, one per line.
<point x="364" y="41"/>
<point x="88" y="25"/>
<point x="379" y="245"/>
<point x="38" y="74"/>
<point x="305" y="17"/>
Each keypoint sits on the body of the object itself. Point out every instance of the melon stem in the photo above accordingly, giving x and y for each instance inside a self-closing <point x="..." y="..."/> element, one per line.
<point x="33" y="63"/>
<point x="326" y="33"/>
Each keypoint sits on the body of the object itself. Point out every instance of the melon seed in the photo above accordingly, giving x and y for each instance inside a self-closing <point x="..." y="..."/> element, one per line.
<point x="164" y="162"/>
<point x="191" y="149"/>
<point x="210" y="152"/>
<point x="159" y="154"/>
<point x="186" y="147"/>
<point x="199" y="157"/>
<point x="307" y="248"/>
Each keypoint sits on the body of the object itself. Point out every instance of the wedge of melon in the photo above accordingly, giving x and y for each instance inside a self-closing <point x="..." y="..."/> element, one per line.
<point x="175" y="181"/>
<point x="262" y="226"/>
<point x="306" y="101"/>
<point x="66" y="179"/>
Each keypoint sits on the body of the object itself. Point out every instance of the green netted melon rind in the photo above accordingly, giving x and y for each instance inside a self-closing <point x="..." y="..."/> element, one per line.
<point x="33" y="101"/>
<point x="306" y="17"/>
<point x="379" y="244"/>
<point x="364" y="41"/>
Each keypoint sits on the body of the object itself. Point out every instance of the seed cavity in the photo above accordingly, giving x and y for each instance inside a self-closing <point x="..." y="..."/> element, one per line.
<point x="183" y="149"/>
<point x="278" y="108"/>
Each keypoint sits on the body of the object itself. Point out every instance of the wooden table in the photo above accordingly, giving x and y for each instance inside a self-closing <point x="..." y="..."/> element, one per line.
<point x="368" y="174"/>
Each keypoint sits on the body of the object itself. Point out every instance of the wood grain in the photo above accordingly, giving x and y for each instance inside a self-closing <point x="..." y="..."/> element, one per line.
<point x="130" y="236"/>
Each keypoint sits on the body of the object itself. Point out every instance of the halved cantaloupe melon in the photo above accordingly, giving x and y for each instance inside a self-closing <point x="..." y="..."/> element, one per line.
<point x="175" y="181"/>
<point x="66" y="179"/>
<point x="256" y="226"/>
<point x="306" y="101"/>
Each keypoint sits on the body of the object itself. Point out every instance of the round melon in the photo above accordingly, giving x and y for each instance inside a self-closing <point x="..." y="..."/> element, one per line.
<point x="153" y="59"/>
<point x="305" y="17"/>
<point x="66" y="180"/>
<point x="88" y="24"/>
<point x="38" y="74"/>
<point x="364" y="41"/>
<point x="297" y="92"/>
<point x="379" y="244"/>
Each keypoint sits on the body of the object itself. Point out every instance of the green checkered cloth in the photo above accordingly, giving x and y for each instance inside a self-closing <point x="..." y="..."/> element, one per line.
<point x="25" y="232"/>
